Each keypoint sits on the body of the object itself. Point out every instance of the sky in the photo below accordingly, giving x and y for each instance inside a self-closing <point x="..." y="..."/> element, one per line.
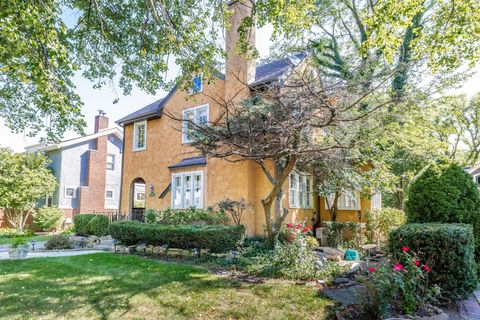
<point x="102" y="99"/>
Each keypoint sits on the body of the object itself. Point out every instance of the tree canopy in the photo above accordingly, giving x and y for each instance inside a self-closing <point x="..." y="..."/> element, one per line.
<point x="24" y="179"/>
<point x="42" y="44"/>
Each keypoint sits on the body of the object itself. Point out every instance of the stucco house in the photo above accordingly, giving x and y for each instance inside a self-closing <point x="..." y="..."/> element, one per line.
<point x="88" y="170"/>
<point x="158" y="155"/>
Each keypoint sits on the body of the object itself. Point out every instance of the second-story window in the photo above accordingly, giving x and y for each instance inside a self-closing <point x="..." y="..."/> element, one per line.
<point x="192" y="117"/>
<point x="140" y="136"/>
<point x="196" y="85"/>
<point x="110" y="162"/>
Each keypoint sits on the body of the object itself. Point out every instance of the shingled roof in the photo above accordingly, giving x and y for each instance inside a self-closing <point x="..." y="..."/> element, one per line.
<point x="264" y="74"/>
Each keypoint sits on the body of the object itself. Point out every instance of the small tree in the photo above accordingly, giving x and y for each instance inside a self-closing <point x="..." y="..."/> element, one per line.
<point x="24" y="179"/>
<point x="235" y="208"/>
<point x="47" y="218"/>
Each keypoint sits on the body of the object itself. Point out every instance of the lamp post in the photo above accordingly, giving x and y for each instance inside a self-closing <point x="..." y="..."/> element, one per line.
<point x="115" y="242"/>
<point x="33" y="245"/>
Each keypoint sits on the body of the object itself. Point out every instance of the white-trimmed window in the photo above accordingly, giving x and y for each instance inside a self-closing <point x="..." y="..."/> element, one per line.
<point x="348" y="200"/>
<point x="197" y="115"/>
<point x="139" y="136"/>
<point x="196" y="85"/>
<point x="109" y="194"/>
<point x="70" y="192"/>
<point x="110" y="162"/>
<point x="187" y="190"/>
<point x="300" y="190"/>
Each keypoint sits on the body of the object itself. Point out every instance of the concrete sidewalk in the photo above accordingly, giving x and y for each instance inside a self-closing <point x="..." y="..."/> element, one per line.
<point x="45" y="254"/>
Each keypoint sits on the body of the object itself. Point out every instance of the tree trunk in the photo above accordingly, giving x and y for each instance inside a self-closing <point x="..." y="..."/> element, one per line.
<point x="281" y="175"/>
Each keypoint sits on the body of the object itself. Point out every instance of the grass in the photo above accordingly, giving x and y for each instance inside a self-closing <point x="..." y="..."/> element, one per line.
<point x="30" y="238"/>
<point x="109" y="286"/>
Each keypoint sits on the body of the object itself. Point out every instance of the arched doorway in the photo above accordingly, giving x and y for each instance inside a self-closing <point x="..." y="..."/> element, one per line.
<point x="137" y="199"/>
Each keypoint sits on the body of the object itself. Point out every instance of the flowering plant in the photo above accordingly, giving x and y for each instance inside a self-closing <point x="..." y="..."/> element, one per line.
<point x="402" y="284"/>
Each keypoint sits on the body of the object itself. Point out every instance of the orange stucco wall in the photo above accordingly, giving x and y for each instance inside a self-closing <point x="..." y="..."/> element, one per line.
<point x="222" y="179"/>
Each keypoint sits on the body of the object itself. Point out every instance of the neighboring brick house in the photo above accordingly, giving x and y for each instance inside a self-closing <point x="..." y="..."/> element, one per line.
<point x="88" y="170"/>
<point x="158" y="155"/>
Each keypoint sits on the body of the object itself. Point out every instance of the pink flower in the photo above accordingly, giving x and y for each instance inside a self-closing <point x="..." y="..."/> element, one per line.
<point x="405" y="249"/>
<point x="417" y="263"/>
<point x="289" y="225"/>
<point x="298" y="226"/>
<point x="397" y="267"/>
<point x="371" y="269"/>
<point x="427" y="268"/>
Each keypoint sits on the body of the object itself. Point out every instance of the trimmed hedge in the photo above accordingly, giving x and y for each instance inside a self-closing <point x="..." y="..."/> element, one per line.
<point x="91" y="224"/>
<point x="217" y="238"/>
<point x="448" y="249"/>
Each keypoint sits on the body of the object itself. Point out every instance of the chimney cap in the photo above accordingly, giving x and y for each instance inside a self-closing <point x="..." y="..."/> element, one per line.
<point x="101" y="112"/>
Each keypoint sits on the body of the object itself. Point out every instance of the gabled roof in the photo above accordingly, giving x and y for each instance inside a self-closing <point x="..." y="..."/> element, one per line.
<point x="53" y="146"/>
<point x="264" y="74"/>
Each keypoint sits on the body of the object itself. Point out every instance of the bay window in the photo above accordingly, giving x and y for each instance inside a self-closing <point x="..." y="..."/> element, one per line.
<point x="187" y="190"/>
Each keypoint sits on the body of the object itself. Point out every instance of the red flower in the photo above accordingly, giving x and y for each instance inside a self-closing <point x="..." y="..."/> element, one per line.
<point x="289" y="225"/>
<point x="397" y="267"/>
<point x="298" y="226"/>
<point x="371" y="269"/>
<point x="405" y="249"/>
<point x="417" y="263"/>
<point x="306" y="229"/>
<point x="427" y="268"/>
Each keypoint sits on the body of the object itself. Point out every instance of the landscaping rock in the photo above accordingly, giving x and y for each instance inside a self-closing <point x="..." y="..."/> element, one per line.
<point x="346" y="296"/>
<point x="354" y="269"/>
<point x="338" y="281"/>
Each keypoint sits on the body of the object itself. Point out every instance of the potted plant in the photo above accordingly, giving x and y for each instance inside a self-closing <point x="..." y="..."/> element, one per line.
<point x="18" y="249"/>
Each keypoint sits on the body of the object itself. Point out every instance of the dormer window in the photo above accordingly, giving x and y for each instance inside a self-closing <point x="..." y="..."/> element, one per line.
<point x="196" y="85"/>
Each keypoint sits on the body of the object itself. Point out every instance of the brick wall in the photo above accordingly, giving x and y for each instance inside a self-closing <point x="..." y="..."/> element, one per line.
<point x="91" y="198"/>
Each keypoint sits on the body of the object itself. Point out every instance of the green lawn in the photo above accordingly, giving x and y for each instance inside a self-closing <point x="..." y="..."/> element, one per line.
<point x="34" y="237"/>
<point x="109" y="286"/>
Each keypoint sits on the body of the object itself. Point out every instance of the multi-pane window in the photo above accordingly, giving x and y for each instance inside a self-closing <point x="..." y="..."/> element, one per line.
<point x="196" y="85"/>
<point x="70" y="192"/>
<point x="191" y="117"/>
<point x="348" y="200"/>
<point x="187" y="190"/>
<point x="140" y="136"/>
<point x="48" y="201"/>
<point x="300" y="190"/>
<point x="110" y="162"/>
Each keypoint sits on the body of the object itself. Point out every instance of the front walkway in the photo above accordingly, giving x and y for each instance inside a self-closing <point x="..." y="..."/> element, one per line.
<point x="470" y="308"/>
<point x="44" y="254"/>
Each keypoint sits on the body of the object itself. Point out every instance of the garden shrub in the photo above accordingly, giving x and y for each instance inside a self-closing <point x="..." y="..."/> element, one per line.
<point x="338" y="234"/>
<point x="217" y="238"/>
<point x="446" y="194"/>
<point x="98" y="225"/>
<point x="47" y="218"/>
<point x="448" y="249"/>
<point x="292" y="259"/>
<point x="191" y="216"/>
<point x="12" y="233"/>
<point x="380" y="223"/>
<point x="58" y="242"/>
<point x="150" y="215"/>
<point x="91" y="224"/>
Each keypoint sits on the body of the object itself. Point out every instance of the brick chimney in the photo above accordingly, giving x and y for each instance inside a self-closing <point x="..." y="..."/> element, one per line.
<point x="240" y="71"/>
<point x="101" y="121"/>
